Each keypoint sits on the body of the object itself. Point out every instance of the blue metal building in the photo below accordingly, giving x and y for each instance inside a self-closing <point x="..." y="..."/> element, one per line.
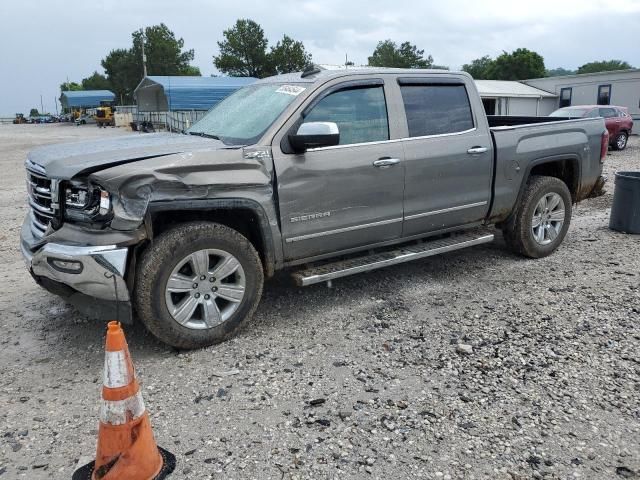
<point x="164" y="93"/>
<point x="85" y="98"/>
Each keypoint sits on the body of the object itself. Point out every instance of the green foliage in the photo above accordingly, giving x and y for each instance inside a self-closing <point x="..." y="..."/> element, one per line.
<point x="96" y="81"/>
<point x="558" y="72"/>
<point x="517" y="65"/>
<point x="479" y="68"/>
<point x="388" y="54"/>
<point x="34" y="112"/>
<point x="243" y="52"/>
<point x="289" y="56"/>
<point x="122" y="71"/>
<point x="70" y="87"/>
<point x="604" y="66"/>
<point x="165" y="56"/>
<point x="163" y="50"/>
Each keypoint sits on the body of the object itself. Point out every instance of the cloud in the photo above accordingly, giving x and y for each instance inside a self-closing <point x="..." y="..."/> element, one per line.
<point x="44" y="42"/>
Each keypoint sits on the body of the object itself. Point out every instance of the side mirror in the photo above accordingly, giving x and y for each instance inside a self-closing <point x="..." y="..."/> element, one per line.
<point x="314" y="135"/>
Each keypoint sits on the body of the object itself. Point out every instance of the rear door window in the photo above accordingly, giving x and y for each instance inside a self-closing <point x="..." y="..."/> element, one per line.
<point x="436" y="109"/>
<point x="608" y="112"/>
<point x="360" y="113"/>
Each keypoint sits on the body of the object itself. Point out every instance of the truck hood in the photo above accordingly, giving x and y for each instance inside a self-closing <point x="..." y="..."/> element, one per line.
<point x="65" y="161"/>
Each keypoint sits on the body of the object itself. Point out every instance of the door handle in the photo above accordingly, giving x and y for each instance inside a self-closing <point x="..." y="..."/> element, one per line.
<point x="476" y="150"/>
<point x="386" y="162"/>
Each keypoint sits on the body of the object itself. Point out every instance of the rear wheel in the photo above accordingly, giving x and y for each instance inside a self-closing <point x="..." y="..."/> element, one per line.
<point x="620" y="142"/>
<point x="197" y="284"/>
<point x="542" y="219"/>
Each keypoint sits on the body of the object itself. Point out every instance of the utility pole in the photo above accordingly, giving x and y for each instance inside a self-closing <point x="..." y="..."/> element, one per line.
<point x="41" y="106"/>
<point x="144" y="57"/>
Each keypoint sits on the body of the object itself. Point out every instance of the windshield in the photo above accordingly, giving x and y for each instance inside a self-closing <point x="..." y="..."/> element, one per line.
<point x="570" y="112"/>
<point x="242" y="118"/>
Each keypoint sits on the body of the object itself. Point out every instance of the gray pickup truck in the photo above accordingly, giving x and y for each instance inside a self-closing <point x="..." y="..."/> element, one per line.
<point x="324" y="173"/>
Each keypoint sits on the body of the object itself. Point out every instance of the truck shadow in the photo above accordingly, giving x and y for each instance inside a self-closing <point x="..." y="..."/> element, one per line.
<point x="289" y="303"/>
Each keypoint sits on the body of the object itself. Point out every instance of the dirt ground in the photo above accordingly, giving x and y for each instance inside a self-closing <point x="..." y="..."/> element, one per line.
<point x="363" y="380"/>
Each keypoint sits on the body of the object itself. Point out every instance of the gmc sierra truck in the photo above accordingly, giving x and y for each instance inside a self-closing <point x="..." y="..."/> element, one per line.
<point x="324" y="173"/>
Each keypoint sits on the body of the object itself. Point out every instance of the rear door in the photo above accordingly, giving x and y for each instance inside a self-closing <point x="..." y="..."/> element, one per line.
<point x="611" y="120"/>
<point x="448" y="155"/>
<point x="346" y="196"/>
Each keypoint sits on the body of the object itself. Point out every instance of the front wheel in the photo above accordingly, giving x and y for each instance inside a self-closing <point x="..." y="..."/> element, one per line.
<point x="542" y="219"/>
<point x="197" y="283"/>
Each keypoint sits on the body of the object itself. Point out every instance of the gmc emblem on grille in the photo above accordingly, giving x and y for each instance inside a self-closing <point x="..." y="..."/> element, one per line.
<point x="310" y="216"/>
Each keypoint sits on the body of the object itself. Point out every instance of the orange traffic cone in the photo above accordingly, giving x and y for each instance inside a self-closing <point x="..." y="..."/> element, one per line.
<point x="126" y="447"/>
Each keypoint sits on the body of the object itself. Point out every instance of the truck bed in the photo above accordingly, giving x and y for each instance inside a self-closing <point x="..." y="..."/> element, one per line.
<point x="512" y="121"/>
<point x="520" y="143"/>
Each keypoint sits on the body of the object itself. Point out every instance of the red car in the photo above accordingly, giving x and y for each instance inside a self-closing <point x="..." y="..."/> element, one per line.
<point x="617" y="120"/>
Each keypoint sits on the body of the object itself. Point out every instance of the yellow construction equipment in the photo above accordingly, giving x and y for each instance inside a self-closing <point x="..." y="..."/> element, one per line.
<point x="104" y="114"/>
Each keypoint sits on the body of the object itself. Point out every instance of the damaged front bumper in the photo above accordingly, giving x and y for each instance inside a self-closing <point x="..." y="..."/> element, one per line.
<point x="92" y="278"/>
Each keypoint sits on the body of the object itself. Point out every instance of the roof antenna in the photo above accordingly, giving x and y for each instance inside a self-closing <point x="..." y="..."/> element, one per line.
<point x="311" y="69"/>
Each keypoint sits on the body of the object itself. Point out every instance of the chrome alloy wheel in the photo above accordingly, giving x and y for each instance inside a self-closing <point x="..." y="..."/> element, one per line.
<point x="621" y="141"/>
<point x="548" y="218"/>
<point x="205" y="289"/>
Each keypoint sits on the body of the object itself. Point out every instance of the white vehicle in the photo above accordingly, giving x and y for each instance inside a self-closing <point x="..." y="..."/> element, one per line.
<point x="84" y="119"/>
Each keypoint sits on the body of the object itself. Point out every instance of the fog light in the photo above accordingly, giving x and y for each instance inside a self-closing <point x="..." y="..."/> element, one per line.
<point x="65" y="266"/>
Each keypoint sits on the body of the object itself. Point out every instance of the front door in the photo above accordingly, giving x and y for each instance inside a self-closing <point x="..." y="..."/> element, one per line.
<point x="448" y="158"/>
<point x="345" y="196"/>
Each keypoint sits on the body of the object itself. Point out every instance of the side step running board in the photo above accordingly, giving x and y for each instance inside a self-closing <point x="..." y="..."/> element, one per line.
<point x="404" y="254"/>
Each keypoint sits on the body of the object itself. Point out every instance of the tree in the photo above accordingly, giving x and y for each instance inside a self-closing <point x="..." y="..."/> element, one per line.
<point x="165" y="56"/>
<point x="34" y="112"/>
<point x="517" y="65"/>
<point x="70" y="86"/>
<point x="558" y="72"/>
<point x="604" y="66"/>
<point x="479" y="68"/>
<point x="289" y="56"/>
<point x="388" y="54"/>
<point x="122" y="71"/>
<point x="96" y="81"/>
<point x="163" y="51"/>
<point x="243" y="52"/>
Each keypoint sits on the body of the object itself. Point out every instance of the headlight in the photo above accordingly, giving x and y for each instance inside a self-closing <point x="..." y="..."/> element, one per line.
<point x="86" y="202"/>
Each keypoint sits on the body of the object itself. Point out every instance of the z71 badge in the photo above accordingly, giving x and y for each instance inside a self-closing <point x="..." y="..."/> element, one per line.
<point x="310" y="216"/>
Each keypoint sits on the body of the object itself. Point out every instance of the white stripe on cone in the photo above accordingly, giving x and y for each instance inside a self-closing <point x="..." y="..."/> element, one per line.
<point x="116" y="371"/>
<point x="119" y="412"/>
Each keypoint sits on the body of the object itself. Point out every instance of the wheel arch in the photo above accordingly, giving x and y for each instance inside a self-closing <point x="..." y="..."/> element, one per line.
<point x="564" y="167"/>
<point x="243" y="215"/>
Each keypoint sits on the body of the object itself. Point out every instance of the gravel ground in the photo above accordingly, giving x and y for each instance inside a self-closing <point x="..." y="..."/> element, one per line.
<point x="476" y="364"/>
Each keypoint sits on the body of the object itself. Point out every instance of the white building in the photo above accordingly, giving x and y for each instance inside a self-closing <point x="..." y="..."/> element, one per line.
<point x="502" y="97"/>
<point x="620" y="87"/>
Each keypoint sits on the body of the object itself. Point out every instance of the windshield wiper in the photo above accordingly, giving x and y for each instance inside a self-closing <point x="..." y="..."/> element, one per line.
<point x="205" y="135"/>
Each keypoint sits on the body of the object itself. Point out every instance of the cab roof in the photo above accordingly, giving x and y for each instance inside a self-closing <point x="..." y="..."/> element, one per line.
<point x="323" y="74"/>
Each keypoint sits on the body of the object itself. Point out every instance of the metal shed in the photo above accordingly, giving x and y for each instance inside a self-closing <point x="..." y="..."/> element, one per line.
<point x="168" y="93"/>
<point x="503" y="97"/>
<point x="85" y="98"/>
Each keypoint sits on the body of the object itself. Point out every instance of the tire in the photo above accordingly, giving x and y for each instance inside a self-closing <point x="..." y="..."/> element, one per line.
<point x="520" y="232"/>
<point x="620" y="142"/>
<point x="154" y="297"/>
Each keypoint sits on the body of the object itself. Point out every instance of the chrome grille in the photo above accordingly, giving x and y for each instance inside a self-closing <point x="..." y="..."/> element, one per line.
<point x="42" y="193"/>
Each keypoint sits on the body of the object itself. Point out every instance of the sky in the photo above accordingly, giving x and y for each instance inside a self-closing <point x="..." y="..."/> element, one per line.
<point x="44" y="42"/>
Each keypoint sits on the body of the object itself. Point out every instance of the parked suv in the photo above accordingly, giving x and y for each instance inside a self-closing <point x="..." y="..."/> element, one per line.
<point x="617" y="119"/>
<point x="324" y="173"/>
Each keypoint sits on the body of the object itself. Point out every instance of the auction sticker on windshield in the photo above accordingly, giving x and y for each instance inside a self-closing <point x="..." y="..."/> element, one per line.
<point x="294" y="90"/>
